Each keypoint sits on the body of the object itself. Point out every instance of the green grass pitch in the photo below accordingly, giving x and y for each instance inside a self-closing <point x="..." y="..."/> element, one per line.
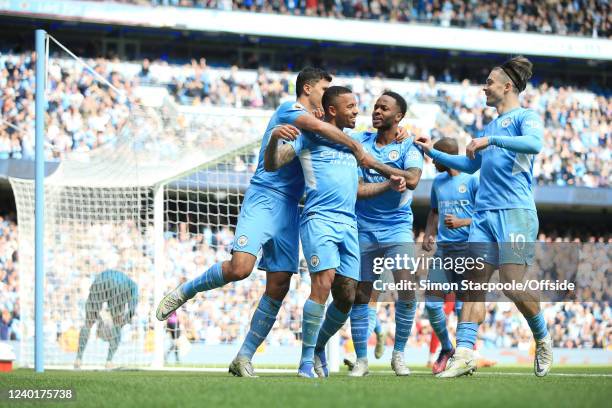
<point x="574" y="387"/>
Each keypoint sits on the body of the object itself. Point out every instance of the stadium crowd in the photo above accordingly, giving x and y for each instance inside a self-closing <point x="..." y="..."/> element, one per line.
<point x="223" y="316"/>
<point x="590" y="18"/>
<point x="83" y="113"/>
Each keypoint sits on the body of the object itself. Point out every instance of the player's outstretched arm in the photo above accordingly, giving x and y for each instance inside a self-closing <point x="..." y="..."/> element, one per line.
<point x="369" y="190"/>
<point x="330" y="132"/>
<point x="276" y="156"/>
<point x="461" y="163"/>
<point x="431" y="230"/>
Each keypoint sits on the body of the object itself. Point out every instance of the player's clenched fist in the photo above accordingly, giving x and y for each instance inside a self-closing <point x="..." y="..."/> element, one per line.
<point x="286" y="132"/>
<point x="452" y="222"/>
<point x="428" y="243"/>
<point x="397" y="183"/>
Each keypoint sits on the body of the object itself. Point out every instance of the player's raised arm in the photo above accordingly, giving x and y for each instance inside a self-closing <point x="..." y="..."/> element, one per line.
<point x="277" y="156"/>
<point x="310" y="123"/>
<point x="461" y="163"/>
<point x="369" y="190"/>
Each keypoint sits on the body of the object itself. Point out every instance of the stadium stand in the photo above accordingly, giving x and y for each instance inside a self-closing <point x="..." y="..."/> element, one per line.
<point x="83" y="114"/>
<point x="221" y="317"/>
<point x="590" y="18"/>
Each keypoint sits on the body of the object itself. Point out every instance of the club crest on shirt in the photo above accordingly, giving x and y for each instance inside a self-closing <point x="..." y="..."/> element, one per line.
<point x="393" y="155"/>
<point x="462" y="188"/>
<point x="506" y="122"/>
<point x="242" y="241"/>
<point x="314" y="261"/>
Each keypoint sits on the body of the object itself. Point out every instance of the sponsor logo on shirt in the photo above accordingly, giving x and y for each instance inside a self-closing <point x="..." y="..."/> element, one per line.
<point x="242" y="241"/>
<point x="314" y="261"/>
<point x="393" y="155"/>
<point x="453" y="203"/>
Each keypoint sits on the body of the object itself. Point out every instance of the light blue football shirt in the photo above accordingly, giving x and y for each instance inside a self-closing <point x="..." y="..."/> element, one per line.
<point x="389" y="209"/>
<point x="454" y="195"/>
<point x="330" y="174"/>
<point x="288" y="180"/>
<point x="506" y="177"/>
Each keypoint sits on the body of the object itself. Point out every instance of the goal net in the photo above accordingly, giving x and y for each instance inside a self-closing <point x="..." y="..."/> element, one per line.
<point x="131" y="218"/>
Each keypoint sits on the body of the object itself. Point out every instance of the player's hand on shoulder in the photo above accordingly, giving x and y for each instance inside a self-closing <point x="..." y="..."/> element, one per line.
<point x="319" y="113"/>
<point x="425" y="143"/>
<point x="476" y="145"/>
<point x="397" y="183"/>
<point x="402" y="134"/>
<point x="285" y="132"/>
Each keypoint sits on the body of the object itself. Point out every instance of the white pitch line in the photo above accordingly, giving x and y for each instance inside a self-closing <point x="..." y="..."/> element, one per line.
<point x="502" y="373"/>
<point x="293" y="371"/>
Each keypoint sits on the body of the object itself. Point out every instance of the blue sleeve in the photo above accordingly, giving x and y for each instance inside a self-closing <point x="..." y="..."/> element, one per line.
<point x="461" y="163"/>
<point x="474" y="182"/>
<point x="433" y="197"/>
<point x="413" y="158"/>
<point x="530" y="139"/>
<point x="289" y="114"/>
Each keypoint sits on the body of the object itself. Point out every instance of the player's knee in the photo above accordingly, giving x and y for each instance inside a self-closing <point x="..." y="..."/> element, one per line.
<point x="277" y="290"/>
<point x="237" y="270"/>
<point x="363" y="293"/>
<point x="513" y="295"/>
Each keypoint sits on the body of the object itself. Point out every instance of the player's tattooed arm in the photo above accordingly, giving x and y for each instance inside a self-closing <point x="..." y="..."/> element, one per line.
<point x="412" y="176"/>
<point x="310" y="123"/>
<point x="431" y="230"/>
<point x="369" y="190"/>
<point x="276" y="156"/>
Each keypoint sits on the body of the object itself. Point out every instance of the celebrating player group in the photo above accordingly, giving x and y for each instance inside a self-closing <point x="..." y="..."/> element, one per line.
<point x="358" y="192"/>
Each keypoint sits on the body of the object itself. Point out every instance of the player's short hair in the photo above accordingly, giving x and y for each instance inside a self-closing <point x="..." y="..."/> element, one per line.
<point x="399" y="99"/>
<point x="311" y="76"/>
<point x="519" y="71"/>
<point x="447" y="145"/>
<point x="330" y="95"/>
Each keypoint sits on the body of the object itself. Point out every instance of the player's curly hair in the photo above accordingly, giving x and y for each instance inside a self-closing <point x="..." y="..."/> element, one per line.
<point x="519" y="71"/>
